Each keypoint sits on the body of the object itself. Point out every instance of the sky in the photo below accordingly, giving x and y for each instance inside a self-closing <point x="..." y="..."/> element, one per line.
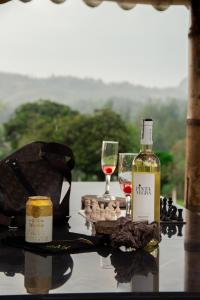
<point x="141" y="46"/>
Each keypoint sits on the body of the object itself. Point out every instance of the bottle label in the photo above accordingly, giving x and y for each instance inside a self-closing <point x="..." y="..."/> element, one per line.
<point x="143" y="196"/>
<point x="39" y="230"/>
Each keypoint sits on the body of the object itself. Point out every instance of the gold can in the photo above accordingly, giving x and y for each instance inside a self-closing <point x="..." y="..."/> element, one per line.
<point x="39" y="219"/>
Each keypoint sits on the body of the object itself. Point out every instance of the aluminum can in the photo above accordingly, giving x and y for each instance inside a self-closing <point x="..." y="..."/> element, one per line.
<point x="39" y="219"/>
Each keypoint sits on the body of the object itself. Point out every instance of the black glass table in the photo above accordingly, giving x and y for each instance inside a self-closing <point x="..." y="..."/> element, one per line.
<point x="171" y="272"/>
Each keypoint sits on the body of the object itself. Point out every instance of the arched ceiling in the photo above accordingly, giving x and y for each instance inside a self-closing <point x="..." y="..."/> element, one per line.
<point x="160" y="5"/>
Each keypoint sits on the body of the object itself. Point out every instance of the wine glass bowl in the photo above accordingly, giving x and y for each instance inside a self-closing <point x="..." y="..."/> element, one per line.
<point x="125" y="177"/>
<point x="109" y="156"/>
<point x="108" y="170"/>
<point x="126" y="187"/>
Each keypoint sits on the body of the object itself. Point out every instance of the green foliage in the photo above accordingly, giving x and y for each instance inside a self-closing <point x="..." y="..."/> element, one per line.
<point x="180" y="202"/>
<point x="36" y="121"/>
<point x="134" y="138"/>
<point x="168" y="136"/>
<point x="166" y="161"/>
<point x="169" y="122"/>
<point x="177" y="173"/>
<point x="48" y="121"/>
<point x="4" y="146"/>
<point x="166" y="158"/>
<point x="86" y="133"/>
<point x="172" y="169"/>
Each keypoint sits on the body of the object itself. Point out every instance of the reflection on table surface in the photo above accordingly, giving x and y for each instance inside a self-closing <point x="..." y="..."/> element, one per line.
<point x="174" y="267"/>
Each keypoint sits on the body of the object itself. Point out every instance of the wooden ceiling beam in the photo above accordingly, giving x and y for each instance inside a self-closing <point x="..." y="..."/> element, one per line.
<point x="4" y="1"/>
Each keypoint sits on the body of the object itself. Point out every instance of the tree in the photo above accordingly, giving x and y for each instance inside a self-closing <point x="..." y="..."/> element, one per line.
<point x="36" y="121"/>
<point x="178" y="171"/>
<point x="48" y="121"/>
<point x="86" y="133"/>
<point x="167" y="165"/>
<point x="4" y="146"/>
<point x="169" y="122"/>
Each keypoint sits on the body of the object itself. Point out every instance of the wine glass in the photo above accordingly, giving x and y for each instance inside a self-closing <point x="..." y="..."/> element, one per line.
<point x="108" y="163"/>
<point x="125" y="177"/>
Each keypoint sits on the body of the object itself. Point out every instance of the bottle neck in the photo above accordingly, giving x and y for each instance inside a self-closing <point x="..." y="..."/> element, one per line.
<point x="146" y="148"/>
<point x="146" y="137"/>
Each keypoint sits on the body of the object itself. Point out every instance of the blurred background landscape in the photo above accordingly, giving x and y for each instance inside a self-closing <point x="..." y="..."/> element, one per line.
<point x="69" y="74"/>
<point x="83" y="112"/>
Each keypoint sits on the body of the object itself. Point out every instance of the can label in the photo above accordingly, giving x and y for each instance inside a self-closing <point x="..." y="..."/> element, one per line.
<point x="39" y="219"/>
<point x="39" y="230"/>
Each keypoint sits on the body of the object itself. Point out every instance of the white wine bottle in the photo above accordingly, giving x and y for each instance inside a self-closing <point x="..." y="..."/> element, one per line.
<point x="146" y="179"/>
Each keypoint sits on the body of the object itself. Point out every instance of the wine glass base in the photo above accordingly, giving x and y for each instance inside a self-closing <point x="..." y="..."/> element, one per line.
<point x="106" y="198"/>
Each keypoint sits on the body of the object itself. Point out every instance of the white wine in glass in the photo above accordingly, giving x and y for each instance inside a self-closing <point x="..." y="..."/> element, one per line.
<point x="125" y="177"/>
<point x="109" y="155"/>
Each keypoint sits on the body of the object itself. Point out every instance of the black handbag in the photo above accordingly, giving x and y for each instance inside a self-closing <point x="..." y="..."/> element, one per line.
<point x="38" y="168"/>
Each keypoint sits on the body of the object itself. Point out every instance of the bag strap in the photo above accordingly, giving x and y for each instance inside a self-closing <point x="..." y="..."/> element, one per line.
<point x="63" y="167"/>
<point x="62" y="150"/>
<point x="14" y="165"/>
<point x="66" y="172"/>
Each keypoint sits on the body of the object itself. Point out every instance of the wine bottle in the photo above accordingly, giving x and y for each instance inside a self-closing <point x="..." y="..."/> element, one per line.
<point x="146" y="179"/>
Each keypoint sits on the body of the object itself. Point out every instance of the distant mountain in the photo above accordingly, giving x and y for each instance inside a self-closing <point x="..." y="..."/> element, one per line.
<point x="82" y="94"/>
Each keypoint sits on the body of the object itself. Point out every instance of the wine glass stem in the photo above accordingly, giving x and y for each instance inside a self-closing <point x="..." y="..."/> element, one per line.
<point x="128" y="205"/>
<point x="107" y="184"/>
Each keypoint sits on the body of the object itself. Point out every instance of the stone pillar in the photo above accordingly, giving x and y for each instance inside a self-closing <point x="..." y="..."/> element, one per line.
<point x="192" y="174"/>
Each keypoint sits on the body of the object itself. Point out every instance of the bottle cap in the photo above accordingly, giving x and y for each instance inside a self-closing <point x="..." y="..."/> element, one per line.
<point x="148" y="122"/>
